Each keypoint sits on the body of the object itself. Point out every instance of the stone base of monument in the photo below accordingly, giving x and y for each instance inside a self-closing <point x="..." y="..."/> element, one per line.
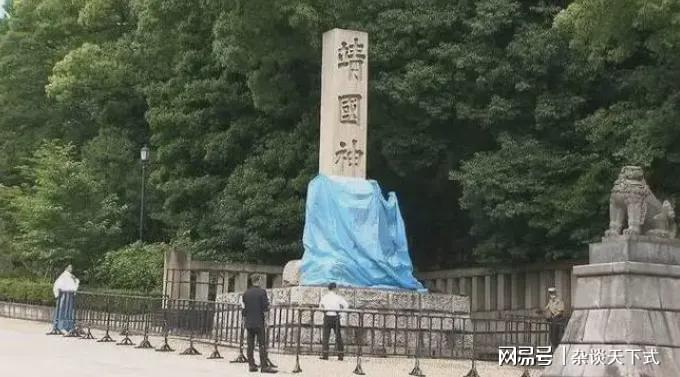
<point x="389" y="322"/>
<point x="626" y="318"/>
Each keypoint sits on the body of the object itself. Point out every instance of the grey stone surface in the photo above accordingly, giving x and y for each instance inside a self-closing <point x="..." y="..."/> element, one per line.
<point x="437" y="302"/>
<point x="625" y="305"/>
<point x="405" y="300"/>
<point x="644" y="249"/>
<point x="555" y="369"/>
<point x="640" y="331"/>
<point x="569" y="368"/>
<point x="672" y="321"/>
<point x="291" y="273"/>
<point x="643" y="292"/>
<point x="372" y="299"/>
<point x="588" y="292"/>
<point x="630" y="268"/>
<point x="577" y="325"/>
<point x="461" y="304"/>
<point x="304" y="296"/>
<point x="660" y="331"/>
<point x="596" y="324"/>
<point x="669" y="293"/>
<point x="613" y="292"/>
<point x="362" y="298"/>
<point x="279" y="296"/>
<point x="618" y="326"/>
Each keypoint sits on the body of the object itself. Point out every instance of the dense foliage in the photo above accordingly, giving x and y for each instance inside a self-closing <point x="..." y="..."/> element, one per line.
<point x="135" y="268"/>
<point x="26" y="291"/>
<point x="501" y="124"/>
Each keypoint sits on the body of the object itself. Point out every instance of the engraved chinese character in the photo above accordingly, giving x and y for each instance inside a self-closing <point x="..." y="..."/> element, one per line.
<point x="352" y="56"/>
<point x="650" y="356"/>
<point x="348" y="156"/>
<point x="349" y="108"/>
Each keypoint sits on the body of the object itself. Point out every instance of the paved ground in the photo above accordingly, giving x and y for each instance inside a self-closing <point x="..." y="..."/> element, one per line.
<point x="25" y="351"/>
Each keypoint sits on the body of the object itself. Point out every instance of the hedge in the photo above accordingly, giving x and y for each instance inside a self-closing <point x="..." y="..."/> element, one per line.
<point x="40" y="292"/>
<point x="26" y="291"/>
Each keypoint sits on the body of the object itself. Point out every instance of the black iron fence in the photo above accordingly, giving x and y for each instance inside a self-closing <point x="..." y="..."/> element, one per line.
<point x="298" y="329"/>
<point x="131" y="320"/>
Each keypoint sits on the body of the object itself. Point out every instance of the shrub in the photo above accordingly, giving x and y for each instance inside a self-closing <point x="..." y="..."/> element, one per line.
<point x="136" y="267"/>
<point x="26" y="291"/>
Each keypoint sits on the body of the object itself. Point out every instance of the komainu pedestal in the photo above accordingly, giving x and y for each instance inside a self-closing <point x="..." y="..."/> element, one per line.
<point x="626" y="318"/>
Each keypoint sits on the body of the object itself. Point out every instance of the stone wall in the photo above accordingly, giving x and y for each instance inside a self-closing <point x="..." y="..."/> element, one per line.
<point x="26" y="311"/>
<point x="513" y="290"/>
<point x="493" y="291"/>
<point x="185" y="278"/>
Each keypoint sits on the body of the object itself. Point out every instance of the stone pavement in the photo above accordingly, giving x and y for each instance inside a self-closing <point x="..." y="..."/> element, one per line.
<point x="25" y="351"/>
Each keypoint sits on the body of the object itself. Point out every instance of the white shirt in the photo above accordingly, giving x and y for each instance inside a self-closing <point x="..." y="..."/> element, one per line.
<point x="66" y="282"/>
<point x="332" y="301"/>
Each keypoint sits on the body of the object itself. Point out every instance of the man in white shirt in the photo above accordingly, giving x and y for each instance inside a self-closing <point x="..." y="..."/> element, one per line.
<point x="330" y="303"/>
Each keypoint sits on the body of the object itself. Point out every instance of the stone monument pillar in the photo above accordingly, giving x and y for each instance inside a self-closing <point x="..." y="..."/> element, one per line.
<point x="344" y="105"/>
<point x="344" y="83"/>
<point x="626" y="312"/>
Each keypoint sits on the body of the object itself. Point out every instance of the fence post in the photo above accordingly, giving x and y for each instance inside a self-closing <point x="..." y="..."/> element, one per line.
<point x="240" y="358"/>
<point x="191" y="350"/>
<point x="473" y="371"/>
<point x="219" y="318"/>
<point x="88" y="318"/>
<point x="146" y="314"/>
<point x="359" y="370"/>
<point x="126" y="340"/>
<point x="266" y="340"/>
<point x="166" y="328"/>
<point x="107" y="337"/>
<point x="416" y="368"/>
<point x="297" y="368"/>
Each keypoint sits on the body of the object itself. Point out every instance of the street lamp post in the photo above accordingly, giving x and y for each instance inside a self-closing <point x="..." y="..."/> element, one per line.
<point x="144" y="157"/>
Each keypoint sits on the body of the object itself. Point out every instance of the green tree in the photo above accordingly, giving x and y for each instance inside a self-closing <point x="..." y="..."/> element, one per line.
<point x="134" y="267"/>
<point x="65" y="216"/>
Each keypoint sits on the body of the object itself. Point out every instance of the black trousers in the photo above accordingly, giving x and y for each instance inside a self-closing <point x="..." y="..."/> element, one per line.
<point x="332" y="322"/>
<point x="556" y="330"/>
<point x="262" y="346"/>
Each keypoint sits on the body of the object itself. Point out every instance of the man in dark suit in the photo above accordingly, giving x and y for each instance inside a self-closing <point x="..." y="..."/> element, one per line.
<point x="255" y="306"/>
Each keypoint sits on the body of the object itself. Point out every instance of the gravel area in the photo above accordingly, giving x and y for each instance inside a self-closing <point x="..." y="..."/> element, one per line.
<point x="25" y="351"/>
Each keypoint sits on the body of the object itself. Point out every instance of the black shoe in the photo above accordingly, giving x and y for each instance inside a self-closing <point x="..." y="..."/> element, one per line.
<point x="252" y="369"/>
<point x="324" y="358"/>
<point x="269" y="370"/>
<point x="341" y="358"/>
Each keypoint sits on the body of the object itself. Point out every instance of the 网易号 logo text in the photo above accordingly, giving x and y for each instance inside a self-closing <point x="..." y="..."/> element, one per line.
<point x="542" y="356"/>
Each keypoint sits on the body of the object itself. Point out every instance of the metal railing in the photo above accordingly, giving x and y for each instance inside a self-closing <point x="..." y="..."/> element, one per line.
<point x="298" y="330"/>
<point x="371" y="332"/>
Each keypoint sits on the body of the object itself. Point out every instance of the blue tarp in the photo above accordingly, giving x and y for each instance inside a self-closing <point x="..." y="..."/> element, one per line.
<point x="354" y="237"/>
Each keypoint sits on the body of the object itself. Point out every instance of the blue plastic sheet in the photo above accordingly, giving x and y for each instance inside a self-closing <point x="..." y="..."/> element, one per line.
<point x="354" y="237"/>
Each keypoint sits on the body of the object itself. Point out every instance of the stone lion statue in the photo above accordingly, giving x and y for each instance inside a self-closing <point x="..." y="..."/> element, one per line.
<point x="633" y="202"/>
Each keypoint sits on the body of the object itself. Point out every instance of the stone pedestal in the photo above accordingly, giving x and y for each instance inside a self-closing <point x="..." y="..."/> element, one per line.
<point x="389" y="320"/>
<point x="626" y="299"/>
